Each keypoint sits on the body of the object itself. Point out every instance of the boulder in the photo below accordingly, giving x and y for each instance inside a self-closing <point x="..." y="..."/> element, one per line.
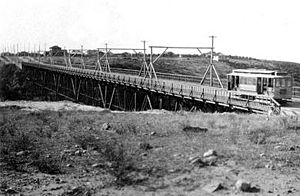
<point x="213" y="186"/>
<point x="211" y="160"/>
<point x="78" y="153"/>
<point x="243" y="185"/>
<point x="210" y="152"/>
<point x="197" y="161"/>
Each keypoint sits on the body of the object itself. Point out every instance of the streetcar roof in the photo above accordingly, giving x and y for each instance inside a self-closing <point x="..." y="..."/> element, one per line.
<point x="259" y="71"/>
<point x="257" y="75"/>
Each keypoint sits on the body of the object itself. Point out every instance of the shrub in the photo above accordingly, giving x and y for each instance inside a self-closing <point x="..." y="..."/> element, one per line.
<point x="118" y="156"/>
<point x="121" y="158"/>
<point x="48" y="165"/>
<point x="12" y="82"/>
<point x="85" y="140"/>
<point x="11" y="145"/>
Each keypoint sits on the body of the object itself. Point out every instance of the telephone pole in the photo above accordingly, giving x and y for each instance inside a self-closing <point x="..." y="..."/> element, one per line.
<point x="211" y="60"/>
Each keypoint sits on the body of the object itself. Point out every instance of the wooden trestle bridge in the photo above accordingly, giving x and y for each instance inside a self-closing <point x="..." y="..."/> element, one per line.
<point x="130" y="90"/>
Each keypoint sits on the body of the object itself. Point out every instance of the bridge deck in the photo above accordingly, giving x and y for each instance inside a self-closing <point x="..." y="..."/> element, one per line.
<point x="187" y="90"/>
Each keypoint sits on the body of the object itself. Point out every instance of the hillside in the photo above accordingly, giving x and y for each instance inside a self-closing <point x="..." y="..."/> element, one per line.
<point x="196" y="65"/>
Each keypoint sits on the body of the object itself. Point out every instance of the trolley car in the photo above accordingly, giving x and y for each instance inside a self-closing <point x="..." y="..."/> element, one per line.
<point x="256" y="83"/>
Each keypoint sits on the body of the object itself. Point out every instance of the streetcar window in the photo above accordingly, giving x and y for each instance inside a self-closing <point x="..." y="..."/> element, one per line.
<point x="270" y="82"/>
<point x="288" y="82"/>
<point x="282" y="82"/>
<point x="243" y="80"/>
<point x="278" y="82"/>
<point x="252" y="81"/>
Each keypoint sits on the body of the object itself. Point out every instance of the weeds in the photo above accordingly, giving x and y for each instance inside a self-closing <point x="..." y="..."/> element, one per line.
<point x="21" y="147"/>
<point x="260" y="135"/>
<point x="85" y="140"/>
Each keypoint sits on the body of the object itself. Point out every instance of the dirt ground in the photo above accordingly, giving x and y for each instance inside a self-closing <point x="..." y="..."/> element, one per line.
<point x="65" y="149"/>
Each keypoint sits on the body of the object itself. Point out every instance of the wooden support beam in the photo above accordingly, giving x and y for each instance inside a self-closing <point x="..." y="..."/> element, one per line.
<point x="160" y="103"/>
<point x="101" y="95"/>
<point x="134" y="97"/>
<point x="149" y="101"/>
<point x="124" y="99"/>
<point x="78" y="90"/>
<point x="112" y="97"/>
<point x="105" y="95"/>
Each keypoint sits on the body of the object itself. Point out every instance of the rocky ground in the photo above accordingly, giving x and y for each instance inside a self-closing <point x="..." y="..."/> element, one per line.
<point x="71" y="151"/>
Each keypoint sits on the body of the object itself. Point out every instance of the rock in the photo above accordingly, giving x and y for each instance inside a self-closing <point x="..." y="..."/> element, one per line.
<point x="77" y="153"/>
<point x="77" y="146"/>
<point x="84" y="151"/>
<point x="145" y="146"/>
<point x="270" y="166"/>
<point x="212" y="187"/>
<point x="153" y="133"/>
<point x="105" y="126"/>
<point x="262" y="155"/>
<point x="243" y="185"/>
<point x="292" y="148"/>
<point x="67" y="151"/>
<point x="277" y="147"/>
<point x="97" y="165"/>
<point x="195" y="129"/>
<point x="210" y="152"/>
<point x="197" y="161"/>
<point x="69" y="165"/>
<point x="177" y="155"/>
<point x="109" y="164"/>
<point x="21" y="153"/>
<point x="144" y="154"/>
<point x="211" y="160"/>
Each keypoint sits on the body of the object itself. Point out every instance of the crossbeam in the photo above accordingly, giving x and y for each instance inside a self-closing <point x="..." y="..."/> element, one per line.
<point x="120" y="49"/>
<point x="182" y="47"/>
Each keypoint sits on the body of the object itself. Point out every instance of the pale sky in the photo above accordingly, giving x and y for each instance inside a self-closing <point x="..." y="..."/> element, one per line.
<point x="266" y="29"/>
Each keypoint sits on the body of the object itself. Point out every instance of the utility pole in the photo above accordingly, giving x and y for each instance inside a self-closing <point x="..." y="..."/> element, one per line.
<point x="144" y="67"/>
<point x="211" y="60"/>
<point x="144" y="42"/>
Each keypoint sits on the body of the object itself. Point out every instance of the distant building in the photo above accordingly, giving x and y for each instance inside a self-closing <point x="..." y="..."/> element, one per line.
<point x="56" y="51"/>
<point x="23" y="53"/>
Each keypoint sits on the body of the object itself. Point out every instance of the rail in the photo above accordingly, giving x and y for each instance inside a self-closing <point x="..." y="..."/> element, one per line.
<point x="167" y="86"/>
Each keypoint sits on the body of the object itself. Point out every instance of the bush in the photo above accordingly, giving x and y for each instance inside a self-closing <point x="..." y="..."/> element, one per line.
<point x="85" y="140"/>
<point x="10" y="145"/>
<point x="48" y="165"/>
<point x="12" y="82"/>
<point x="20" y="148"/>
<point x="121" y="158"/>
